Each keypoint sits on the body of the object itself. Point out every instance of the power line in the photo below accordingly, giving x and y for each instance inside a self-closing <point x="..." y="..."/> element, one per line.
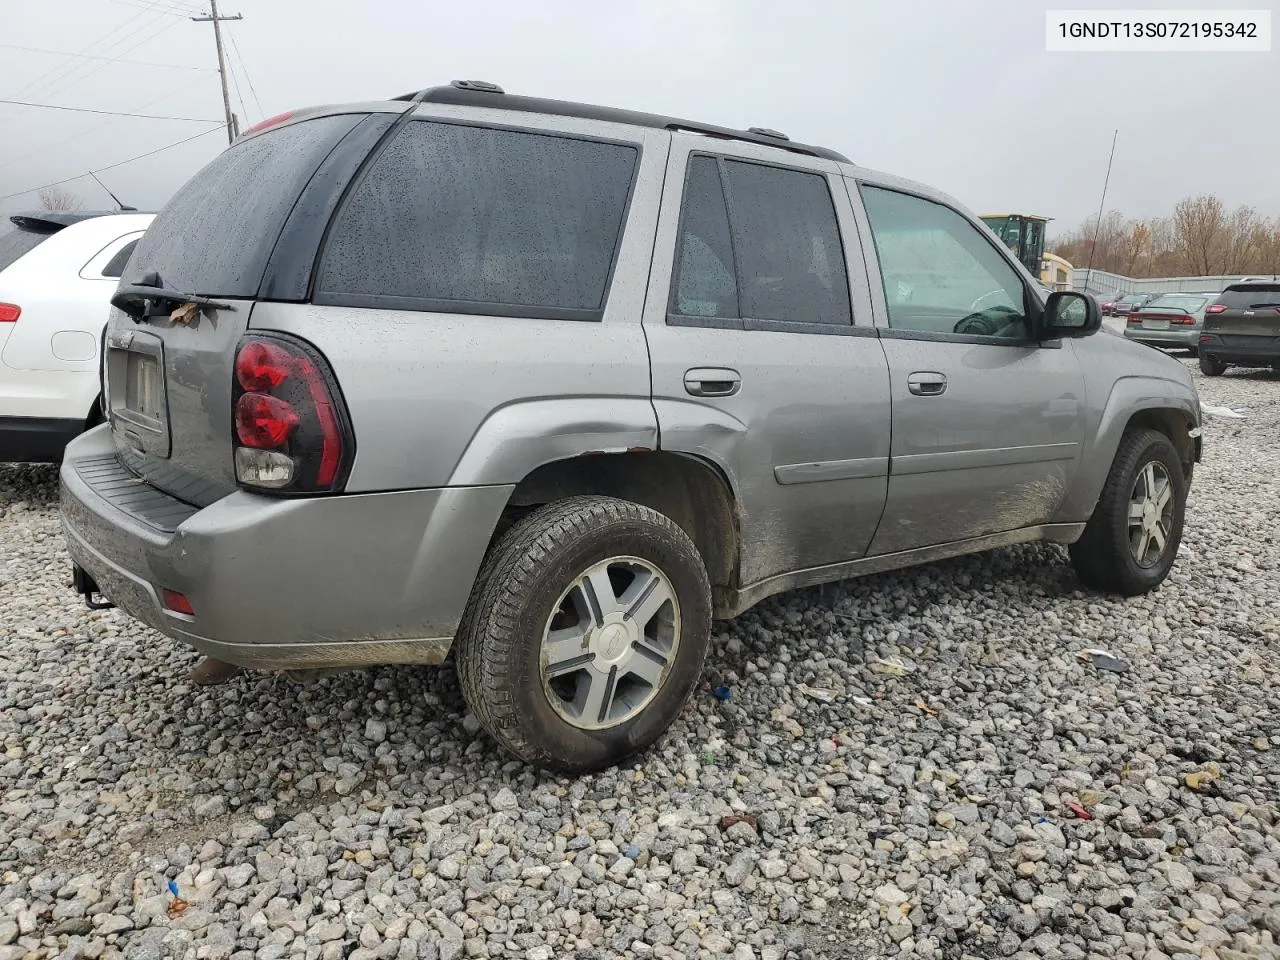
<point x="110" y="166"/>
<point x="235" y="82"/>
<point x="109" y="113"/>
<point x="170" y="8"/>
<point x="106" y="123"/>
<point x="36" y="81"/>
<point x="72" y="81"/>
<point x="90" y="56"/>
<point x="248" y="79"/>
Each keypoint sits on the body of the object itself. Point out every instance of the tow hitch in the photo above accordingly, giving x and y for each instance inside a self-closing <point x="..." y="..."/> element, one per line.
<point x="86" y="587"/>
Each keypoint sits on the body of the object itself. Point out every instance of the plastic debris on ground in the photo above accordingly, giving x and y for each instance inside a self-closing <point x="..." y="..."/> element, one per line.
<point x="1104" y="660"/>
<point x="1080" y="811"/>
<point x="826" y="696"/>
<point x="177" y="906"/>
<point x="1226" y="413"/>
<point x="722" y="693"/>
<point x="892" y="668"/>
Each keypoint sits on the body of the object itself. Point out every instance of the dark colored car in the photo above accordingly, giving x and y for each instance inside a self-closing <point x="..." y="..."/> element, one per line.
<point x="1242" y="329"/>
<point x="1125" y="305"/>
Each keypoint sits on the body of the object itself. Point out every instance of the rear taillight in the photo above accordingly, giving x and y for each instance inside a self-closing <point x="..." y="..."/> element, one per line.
<point x="9" y="312"/>
<point x="1216" y="308"/>
<point x="1132" y="318"/>
<point x="1184" y="321"/>
<point x="292" y="432"/>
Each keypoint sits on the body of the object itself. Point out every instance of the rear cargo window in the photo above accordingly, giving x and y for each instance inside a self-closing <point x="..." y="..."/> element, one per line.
<point x="1251" y="298"/>
<point x="471" y="219"/>
<point x="215" y="236"/>
<point x="15" y="242"/>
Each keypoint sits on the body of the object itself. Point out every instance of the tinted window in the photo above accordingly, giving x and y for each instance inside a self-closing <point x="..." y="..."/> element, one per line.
<point x="790" y="262"/>
<point x="705" y="285"/>
<point x="16" y="242"/>
<point x="453" y="216"/>
<point x="115" y="266"/>
<point x="1250" y="298"/>
<point x="941" y="275"/>
<point x="215" y="235"/>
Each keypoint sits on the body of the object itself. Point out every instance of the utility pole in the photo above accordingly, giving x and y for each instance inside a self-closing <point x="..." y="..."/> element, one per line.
<point x="213" y="18"/>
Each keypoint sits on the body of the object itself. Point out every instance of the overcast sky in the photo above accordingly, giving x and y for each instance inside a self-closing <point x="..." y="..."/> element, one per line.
<point x="961" y="95"/>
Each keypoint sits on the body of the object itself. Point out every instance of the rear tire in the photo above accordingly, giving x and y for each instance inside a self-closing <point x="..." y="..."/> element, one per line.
<point x="565" y="601"/>
<point x="1118" y="551"/>
<point x="1211" y="366"/>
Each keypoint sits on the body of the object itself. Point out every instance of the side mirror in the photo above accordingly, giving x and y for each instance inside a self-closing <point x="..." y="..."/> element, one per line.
<point x="1070" y="314"/>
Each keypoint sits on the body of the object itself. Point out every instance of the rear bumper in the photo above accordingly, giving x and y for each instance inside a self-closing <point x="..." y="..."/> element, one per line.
<point x="36" y="439"/>
<point x="1242" y="349"/>
<point x="1187" y="337"/>
<point x="345" y="581"/>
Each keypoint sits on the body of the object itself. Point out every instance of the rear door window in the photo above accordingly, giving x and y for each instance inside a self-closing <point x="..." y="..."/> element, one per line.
<point x="790" y="262"/>
<point x="470" y="219"/>
<point x="215" y="235"/>
<point x="760" y="243"/>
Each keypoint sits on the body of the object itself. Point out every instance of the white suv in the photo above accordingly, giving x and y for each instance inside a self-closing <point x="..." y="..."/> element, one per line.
<point x="57" y="274"/>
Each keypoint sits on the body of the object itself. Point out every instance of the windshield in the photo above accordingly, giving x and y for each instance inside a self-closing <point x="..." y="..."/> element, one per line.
<point x="1183" y="304"/>
<point x="16" y="242"/>
<point x="1133" y="298"/>
<point x="1006" y="228"/>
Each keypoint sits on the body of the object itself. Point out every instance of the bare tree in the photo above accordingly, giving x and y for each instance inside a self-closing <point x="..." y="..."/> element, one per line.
<point x="1243" y="240"/>
<point x="1202" y="233"/>
<point x="54" y="198"/>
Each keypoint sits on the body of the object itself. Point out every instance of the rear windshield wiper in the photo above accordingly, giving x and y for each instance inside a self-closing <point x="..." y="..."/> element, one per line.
<point x="149" y="297"/>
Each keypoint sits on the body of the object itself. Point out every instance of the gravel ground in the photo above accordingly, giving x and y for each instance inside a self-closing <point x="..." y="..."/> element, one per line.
<point x="932" y="810"/>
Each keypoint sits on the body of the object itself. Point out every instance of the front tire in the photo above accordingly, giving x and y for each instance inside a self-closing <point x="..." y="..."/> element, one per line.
<point x="585" y="634"/>
<point x="1130" y="542"/>
<point x="1211" y="366"/>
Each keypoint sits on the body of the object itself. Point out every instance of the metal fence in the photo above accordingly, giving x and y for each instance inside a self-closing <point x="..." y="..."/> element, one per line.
<point x="1104" y="284"/>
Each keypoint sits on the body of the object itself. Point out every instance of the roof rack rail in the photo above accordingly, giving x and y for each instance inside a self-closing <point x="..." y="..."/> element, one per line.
<point x="480" y="93"/>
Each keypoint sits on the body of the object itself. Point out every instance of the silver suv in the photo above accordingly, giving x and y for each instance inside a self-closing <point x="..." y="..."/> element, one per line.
<point x="548" y="387"/>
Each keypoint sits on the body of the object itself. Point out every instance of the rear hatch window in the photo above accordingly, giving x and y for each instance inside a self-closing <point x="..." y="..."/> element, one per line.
<point x="216" y="234"/>
<point x="1175" y="305"/>
<point x="1253" y="297"/>
<point x="17" y="241"/>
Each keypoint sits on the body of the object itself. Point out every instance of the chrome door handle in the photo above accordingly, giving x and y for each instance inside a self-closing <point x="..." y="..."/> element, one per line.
<point x="927" y="383"/>
<point x="712" y="382"/>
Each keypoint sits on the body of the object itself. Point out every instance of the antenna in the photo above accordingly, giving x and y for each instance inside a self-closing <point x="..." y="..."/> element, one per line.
<point x="122" y="207"/>
<point x="1097" y="227"/>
